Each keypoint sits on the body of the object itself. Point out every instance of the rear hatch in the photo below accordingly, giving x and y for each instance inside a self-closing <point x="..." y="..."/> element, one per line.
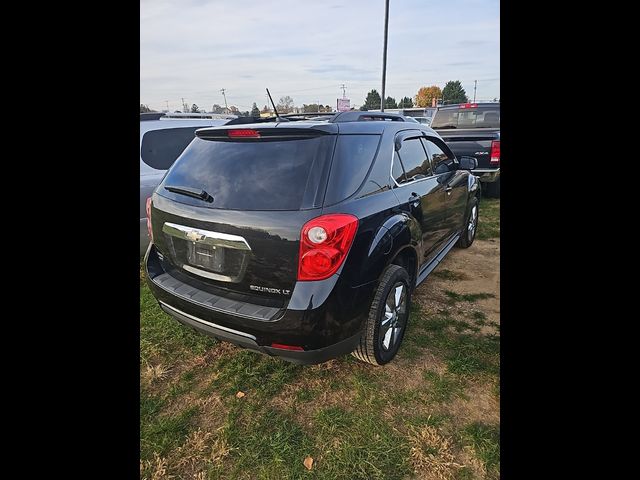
<point x="229" y="212"/>
<point x="469" y="130"/>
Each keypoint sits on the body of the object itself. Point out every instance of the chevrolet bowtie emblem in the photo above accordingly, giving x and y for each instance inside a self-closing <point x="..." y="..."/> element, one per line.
<point x="194" y="236"/>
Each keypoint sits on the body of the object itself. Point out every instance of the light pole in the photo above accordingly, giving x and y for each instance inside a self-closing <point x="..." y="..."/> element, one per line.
<point x="384" y="52"/>
<point x="226" y="110"/>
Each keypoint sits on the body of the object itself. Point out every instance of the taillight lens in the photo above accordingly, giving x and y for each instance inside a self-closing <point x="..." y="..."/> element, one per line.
<point x="324" y="244"/>
<point x="495" y="152"/>
<point x="243" y="133"/>
<point x="148" y="208"/>
<point x="281" y="346"/>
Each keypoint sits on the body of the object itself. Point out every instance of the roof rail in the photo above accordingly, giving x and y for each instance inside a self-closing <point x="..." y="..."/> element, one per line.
<point x="332" y="117"/>
<point x="356" y="116"/>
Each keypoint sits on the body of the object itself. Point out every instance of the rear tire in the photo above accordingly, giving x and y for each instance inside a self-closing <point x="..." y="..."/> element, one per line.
<point x="468" y="234"/>
<point x="387" y="321"/>
<point x="492" y="189"/>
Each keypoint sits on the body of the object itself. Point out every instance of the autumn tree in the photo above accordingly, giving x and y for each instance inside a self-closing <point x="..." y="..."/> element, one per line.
<point x="255" y="111"/>
<point x="426" y="94"/>
<point x="454" y="93"/>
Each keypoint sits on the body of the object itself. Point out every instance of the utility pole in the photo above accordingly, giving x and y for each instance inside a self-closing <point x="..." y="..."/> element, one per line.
<point x="384" y="52"/>
<point x="318" y="106"/>
<point x="185" y="109"/>
<point x="167" y="105"/>
<point x="475" y="84"/>
<point x="344" y="95"/>
<point x="225" y="101"/>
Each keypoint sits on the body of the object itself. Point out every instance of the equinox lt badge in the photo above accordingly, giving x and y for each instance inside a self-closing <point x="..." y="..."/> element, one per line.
<point x="269" y="290"/>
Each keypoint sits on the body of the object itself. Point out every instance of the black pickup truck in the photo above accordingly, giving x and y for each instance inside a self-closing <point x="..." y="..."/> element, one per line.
<point x="473" y="129"/>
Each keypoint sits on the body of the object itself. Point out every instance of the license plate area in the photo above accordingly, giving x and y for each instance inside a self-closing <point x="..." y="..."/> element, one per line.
<point x="208" y="257"/>
<point x="214" y="255"/>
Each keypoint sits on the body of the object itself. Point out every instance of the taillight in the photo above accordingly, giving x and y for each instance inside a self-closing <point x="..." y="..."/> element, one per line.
<point x="324" y="244"/>
<point x="243" y="133"/>
<point x="469" y="105"/>
<point x="148" y="208"/>
<point x="281" y="346"/>
<point x="495" y="152"/>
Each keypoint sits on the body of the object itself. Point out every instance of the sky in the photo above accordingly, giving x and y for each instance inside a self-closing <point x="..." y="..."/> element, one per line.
<point x="307" y="49"/>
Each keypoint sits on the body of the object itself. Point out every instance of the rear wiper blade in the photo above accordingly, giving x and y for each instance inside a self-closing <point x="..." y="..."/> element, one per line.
<point x="190" y="192"/>
<point x="445" y="126"/>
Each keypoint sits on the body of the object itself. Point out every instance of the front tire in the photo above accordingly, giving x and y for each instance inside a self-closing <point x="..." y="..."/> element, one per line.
<point x="387" y="320"/>
<point x="468" y="234"/>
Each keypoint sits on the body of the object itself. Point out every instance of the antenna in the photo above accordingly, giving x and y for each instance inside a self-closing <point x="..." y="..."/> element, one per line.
<point x="274" y="105"/>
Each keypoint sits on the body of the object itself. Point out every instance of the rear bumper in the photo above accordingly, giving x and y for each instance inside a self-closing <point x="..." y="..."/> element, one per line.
<point x="487" y="175"/>
<point x="324" y="318"/>
<point x="244" y="340"/>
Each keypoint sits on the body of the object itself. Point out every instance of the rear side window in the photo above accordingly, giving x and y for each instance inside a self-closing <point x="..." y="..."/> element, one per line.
<point x="264" y="175"/>
<point x="442" y="163"/>
<point x="160" y="148"/>
<point x="351" y="163"/>
<point x="414" y="159"/>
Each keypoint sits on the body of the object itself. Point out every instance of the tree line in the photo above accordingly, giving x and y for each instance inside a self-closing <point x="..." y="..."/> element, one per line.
<point x="453" y="92"/>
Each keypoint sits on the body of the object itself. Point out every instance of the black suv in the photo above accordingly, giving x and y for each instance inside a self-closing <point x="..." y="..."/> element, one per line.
<point x="304" y="239"/>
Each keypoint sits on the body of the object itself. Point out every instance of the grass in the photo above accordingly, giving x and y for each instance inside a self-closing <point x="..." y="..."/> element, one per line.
<point x="485" y="441"/>
<point x="488" y="219"/>
<point x="405" y="420"/>
<point x="466" y="297"/>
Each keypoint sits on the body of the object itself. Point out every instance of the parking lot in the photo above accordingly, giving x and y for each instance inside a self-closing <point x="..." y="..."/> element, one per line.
<point x="212" y="410"/>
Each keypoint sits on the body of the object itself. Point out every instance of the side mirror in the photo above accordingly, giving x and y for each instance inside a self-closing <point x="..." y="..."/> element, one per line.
<point x="468" y="163"/>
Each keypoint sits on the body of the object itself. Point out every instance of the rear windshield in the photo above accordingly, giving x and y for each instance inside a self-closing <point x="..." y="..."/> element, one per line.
<point x="246" y="175"/>
<point x="160" y="148"/>
<point x="480" y="117"/>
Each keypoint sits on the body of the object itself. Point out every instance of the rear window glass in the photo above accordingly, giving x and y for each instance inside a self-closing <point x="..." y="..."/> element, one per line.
<point x="481" y="117"/>
<point x="246" y="175"/>
<point x="351" y="162"/>
<point x="160" y="148"/>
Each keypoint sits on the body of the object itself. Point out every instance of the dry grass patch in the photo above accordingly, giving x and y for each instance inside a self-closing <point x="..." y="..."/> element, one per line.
<point x="156" y="468"/>
<point x="431" y="454"/>
<point x="199" y="451"/>
<point x="479" y="404"/>
<point x="150" y="374"/>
